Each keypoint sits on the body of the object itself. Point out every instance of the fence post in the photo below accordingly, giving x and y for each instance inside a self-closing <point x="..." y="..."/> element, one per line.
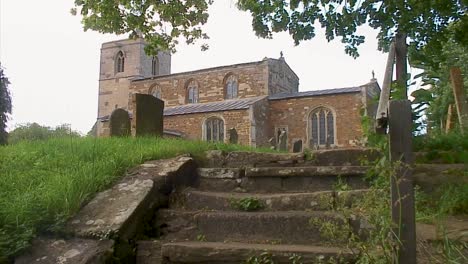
<point x="401" y="154"/>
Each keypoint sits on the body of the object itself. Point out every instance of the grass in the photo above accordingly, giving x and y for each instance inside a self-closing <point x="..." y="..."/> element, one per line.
<point x="43" y="183"/>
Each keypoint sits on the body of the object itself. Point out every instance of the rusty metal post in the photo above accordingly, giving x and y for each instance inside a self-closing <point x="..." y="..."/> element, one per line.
<point x="401" y="155"/>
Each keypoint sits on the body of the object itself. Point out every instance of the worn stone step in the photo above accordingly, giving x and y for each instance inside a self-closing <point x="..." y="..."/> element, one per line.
<point x="287" y="227"/>
<point x="276" y="179"/>
<point x="318" y="178"/>
<point x="191" y="199"/>
<point x="325" y="157"/>
<point x="235" y="253"/>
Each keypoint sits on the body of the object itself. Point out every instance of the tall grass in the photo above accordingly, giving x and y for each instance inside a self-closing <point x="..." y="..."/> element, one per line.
<point x="43" y="183"/>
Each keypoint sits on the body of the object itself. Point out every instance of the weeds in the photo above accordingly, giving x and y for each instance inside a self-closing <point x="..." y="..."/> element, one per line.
<point x="247" y="204"/>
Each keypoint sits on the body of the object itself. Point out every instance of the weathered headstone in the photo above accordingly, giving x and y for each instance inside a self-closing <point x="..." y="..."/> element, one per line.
<point x="233" y="136"/>
<point x="119" y="123"/>
<point x="147" y="115"/>
<point x="282" y="139"/>
<point x="272" y="143"/>
<point x="297" y="146"/>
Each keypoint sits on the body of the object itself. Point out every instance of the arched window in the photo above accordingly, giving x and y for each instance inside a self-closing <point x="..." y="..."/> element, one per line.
<point x="322" y="127"/>
<point x="231" y="87"/>
<point x="155" y="91"/>
<point x="119" y="62"/>
<point x="214" y="129"/>
<point x="155" y="66"/>
<point x="192" y="92"/>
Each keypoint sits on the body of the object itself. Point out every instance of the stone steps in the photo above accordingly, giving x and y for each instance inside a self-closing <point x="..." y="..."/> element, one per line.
<point x="285" y="227"/>
<point x="277" y="179"/>
<point x="235" y="253"/>
<point x="192" y="199"/>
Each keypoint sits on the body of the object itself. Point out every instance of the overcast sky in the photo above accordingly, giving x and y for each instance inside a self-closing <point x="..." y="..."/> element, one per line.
<point x="53" y="65"/>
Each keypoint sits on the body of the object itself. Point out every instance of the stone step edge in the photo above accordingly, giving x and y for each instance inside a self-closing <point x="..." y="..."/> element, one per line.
<point x="192" y="251"/>
<point x="236" y="173"/>
<point x="319" y="200"/>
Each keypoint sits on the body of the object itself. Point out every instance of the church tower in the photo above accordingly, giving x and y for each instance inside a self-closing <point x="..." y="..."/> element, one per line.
<point x="121" y="62"/>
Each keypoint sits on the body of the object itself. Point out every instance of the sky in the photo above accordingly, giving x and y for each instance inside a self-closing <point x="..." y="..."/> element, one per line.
<point x="53" y="65"/>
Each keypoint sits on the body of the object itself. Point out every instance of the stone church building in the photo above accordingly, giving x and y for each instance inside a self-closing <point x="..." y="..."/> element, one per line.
<point x="255" y="103"/>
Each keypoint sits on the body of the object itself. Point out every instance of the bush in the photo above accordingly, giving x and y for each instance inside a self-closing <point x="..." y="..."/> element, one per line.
<point x="34" y="131"/>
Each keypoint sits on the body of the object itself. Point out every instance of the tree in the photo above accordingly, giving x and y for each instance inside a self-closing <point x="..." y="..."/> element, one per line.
<point x="160" y="23"/>
<point x="34" y="131"/>
<point x="5" y="106"/>
<point x="436" y="59"/>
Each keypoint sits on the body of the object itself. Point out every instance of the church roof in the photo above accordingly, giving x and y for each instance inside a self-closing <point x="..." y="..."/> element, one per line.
<point x="315" y="93"/>
<point x="212" y="107"/>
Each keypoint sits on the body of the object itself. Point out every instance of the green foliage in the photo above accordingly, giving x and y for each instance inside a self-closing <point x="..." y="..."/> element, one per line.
<point x="160" y="23"/>
<point x="5" y="105"/>
<point x="247" y="204"/>
<point x="44" y="182"/>
<point x="264" y="258"/>
<point x="34" y="131"/>
<point x="421" y="21"/>
<point x="436" y="59"/>
<point x="449" y="148"/>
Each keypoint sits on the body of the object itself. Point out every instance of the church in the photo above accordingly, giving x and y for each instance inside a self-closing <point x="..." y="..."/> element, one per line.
<point x="254" y="103"/>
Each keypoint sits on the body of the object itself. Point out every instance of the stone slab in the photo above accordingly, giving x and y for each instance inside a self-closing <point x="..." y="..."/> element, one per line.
<point x="121" y="210"/>
<point x="234" y="253"/>
<point x="343" y="156"/>
<point x="76" y="250"/>
<point x="306" y="171"/>
<point x="288" y="227"/>
<point x="199" y="200"/>
<point x="220" y="173"/>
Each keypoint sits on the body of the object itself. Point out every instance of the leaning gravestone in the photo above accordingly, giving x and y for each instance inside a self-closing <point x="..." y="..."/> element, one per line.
<point x="119" y="123"/>
<point x="297" y="146"/>
<point x="282" y="142"/>
<point x="147" y="115"/>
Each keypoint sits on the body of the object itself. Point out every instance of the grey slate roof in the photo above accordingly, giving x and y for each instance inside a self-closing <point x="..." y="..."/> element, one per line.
<point x="315" y="93"/>
<point x="212" y="107"/>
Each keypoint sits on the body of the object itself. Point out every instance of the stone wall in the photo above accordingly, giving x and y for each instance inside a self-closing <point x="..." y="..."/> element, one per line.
<point x="191" y="125"/>
<point x="114" y="87"/>
<point x="281" y="78"/>
<point x="293" y="113"/>
<point x="252" y="80"/>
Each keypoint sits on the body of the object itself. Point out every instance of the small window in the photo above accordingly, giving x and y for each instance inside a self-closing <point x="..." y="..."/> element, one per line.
<point x="155" y="91"/>
<point x="192" y="92"/>
<point x="119" y="62"/>
<point x="214" y="129"/>
<point x="322" y="127"/>
<point x="231" y="87"/>
<point x="155" y="66"/>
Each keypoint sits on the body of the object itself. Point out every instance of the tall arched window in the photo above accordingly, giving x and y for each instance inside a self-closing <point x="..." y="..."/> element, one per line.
<point x="119" y="62"/>
<point x="192" y="92"/>
<point x="214" y="129"/>
<point x="155" y="91"/>
<point x="231" y="87"/>
<point x="322" y="127"/>
<point x="155" y="66"/>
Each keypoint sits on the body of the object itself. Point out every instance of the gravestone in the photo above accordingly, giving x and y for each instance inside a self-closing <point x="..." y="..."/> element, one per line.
<point x="233" y="136"/>
<point x="119" y="123"/>
<point x="297" y="146"/>
<point x="282" y="139"/>
<point x="147" y="115"/>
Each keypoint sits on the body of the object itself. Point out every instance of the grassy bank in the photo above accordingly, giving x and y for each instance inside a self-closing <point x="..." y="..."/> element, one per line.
<point x="43" y="183"/>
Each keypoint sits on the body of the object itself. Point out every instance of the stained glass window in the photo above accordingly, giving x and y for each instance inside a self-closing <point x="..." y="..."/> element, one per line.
<point x="192" y="92"/>
<point x="119" y="62"/>
<point x="231" y="87"/>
